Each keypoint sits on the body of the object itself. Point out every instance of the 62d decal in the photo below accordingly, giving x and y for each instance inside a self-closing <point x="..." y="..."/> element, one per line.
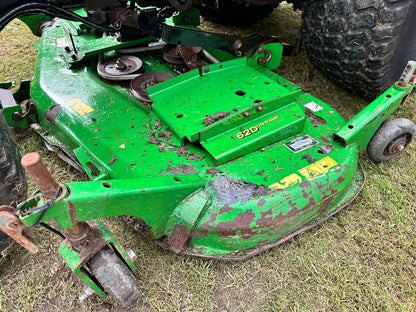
<point x="247" y="132"/>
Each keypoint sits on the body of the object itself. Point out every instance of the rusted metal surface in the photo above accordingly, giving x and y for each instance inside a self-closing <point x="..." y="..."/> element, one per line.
<point x="172" y="55"/>
<point x="89" y="241"/>
<point x="407" y="74"/>
<point x="179" y="237"/>
<point x="13" y="227"/>
<point x="316" y="120"/>
<point x="241" y="256"/>
<point x="191" y="56"/>
<point x="210" y="119"/>
<point x="72" y="211"/>
<point x="40" y="174"/>
<point x="78" y="232"/>
<point x="398" y="146"/>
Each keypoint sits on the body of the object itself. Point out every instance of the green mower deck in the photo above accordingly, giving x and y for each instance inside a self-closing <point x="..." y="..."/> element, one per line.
<point x="221" y="161"/>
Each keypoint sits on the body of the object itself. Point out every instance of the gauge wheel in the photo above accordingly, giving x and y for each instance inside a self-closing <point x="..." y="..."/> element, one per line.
<point x="231" y="12"/>
<point x="391" y="139"/>
<point x="114" y="276"/>
<point x="13" y="187"/>
<point x="363" y="46"/>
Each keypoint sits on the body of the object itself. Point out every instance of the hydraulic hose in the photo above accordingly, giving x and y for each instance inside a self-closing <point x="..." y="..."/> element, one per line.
<point x="19" y="9"/>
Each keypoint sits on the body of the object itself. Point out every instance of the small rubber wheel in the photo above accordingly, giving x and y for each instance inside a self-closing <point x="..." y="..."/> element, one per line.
<point x="114" y="276"/>
<point x="391" y="139"/>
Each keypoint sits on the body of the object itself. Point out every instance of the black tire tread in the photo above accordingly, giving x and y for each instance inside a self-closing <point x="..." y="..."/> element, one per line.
<point x="387" y="132"/>
<point x="13" y="187"/>
<point x="114" y="276"/>
<point x="231" y="12"/>
<point x="355" y="43"/>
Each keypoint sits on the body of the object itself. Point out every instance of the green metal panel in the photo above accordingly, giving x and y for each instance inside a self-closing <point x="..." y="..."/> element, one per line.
<point x="152" y="199"/>
<point x="360" y="129"/>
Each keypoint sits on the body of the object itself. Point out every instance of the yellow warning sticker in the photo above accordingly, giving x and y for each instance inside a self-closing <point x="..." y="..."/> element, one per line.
<point x="286" y="182"/>
<point x="317" y="169"/>
<point x="310" y="172"/>
<point x="79" y="106"/>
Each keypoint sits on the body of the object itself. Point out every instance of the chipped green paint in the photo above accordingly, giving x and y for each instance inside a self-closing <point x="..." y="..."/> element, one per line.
<point x="228" y="161"/>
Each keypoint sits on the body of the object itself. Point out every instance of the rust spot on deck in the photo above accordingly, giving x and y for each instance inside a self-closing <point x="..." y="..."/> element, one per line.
<point x="261" y="202"/>
<point x="225" y="209"/>
<point x="316" y="120"/>
<point x="210" y="119"/>
<point x="179" y="237"/>
<point x="213" y="171"/>
<point x="183" y="169"/>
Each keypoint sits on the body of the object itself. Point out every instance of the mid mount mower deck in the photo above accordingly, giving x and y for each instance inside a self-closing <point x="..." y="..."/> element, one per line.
<point x="224" y="160"/>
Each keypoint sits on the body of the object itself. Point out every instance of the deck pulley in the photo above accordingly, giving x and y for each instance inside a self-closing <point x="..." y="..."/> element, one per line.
<point x="125" y="67"/>
<point x="140" y="84"/>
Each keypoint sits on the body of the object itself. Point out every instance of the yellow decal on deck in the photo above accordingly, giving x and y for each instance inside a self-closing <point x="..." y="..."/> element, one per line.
<point x="286" y="182"/>
<point x="79" y="106"/>
<point x="310" y="172"/>
<point x="247" y="132"/>
<point x="317" y="169"/>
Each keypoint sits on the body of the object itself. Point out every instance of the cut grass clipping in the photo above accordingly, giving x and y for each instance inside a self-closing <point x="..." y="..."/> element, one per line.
<point x="361" y="259"/>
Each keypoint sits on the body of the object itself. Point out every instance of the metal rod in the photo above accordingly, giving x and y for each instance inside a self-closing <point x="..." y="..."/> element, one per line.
<point x="32" y="162"/>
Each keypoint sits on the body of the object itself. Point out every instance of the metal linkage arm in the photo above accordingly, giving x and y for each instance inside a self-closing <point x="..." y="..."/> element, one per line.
<point x="152" y="199"/>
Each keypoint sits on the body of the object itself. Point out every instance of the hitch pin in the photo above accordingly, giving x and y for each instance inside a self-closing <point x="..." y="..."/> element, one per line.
<point x="407" y="75"/>
<point x="40" y="174"/>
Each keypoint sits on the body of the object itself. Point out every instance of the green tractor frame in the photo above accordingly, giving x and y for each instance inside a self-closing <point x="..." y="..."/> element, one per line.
<point x="190" y="135"/>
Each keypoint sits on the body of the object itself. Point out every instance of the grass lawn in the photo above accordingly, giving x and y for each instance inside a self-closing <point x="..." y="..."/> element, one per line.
<point x="364" y="258"/>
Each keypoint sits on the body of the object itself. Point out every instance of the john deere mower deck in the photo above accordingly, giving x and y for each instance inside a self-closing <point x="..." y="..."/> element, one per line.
<point x="223" y="161"/>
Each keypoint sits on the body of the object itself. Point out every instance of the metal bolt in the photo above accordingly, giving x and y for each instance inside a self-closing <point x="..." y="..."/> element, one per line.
<point x="131" y="254"/>
<point x="87" y="292"/>
<point x="238" y="44"/>
<point x="120" y="65"/>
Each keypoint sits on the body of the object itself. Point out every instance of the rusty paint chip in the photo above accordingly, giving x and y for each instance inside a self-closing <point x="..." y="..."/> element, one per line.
<point x="210" y="119"/>
<point x="316" y="120"/>
<point x="153" y="141"/>
<point x="213" y="171"/>
<point x="158" y="125"/>
<point x="179" y="237"/>
<point x="112" y="160"/>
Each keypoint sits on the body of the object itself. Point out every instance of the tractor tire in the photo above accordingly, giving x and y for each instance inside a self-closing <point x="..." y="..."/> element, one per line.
<point x="13" y="188"/>
<point x="230" y="12"/>
<point x="363" y="46"/>
<point x="114" y="276"/>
